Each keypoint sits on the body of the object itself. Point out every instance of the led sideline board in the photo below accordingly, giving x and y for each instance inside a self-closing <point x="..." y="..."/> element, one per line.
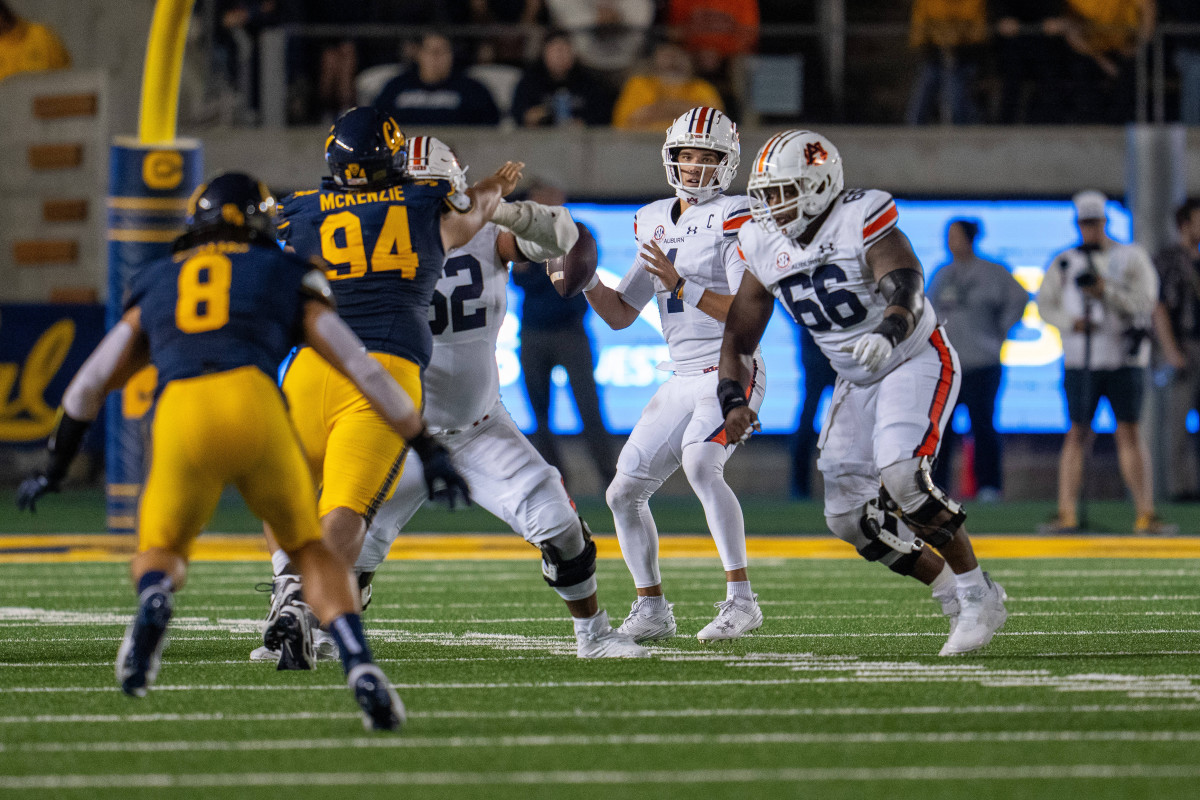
<point x="1023" y="234"/>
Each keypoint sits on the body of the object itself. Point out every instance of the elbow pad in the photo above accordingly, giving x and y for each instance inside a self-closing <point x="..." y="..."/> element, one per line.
<point x="543" y="232"/>
<point x="904" y="288"/>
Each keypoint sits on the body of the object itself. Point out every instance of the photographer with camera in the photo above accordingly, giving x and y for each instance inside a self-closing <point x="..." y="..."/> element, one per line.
<point x="1100" y="295"/>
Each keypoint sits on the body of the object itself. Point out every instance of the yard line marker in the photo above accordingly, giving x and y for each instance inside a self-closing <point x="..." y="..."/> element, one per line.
<point x="959" y="774"/>
<point x="561" y="715"/>
<point x="602" y="740"/>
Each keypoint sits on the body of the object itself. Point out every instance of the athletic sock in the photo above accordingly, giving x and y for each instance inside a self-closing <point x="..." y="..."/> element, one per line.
<point x="154" y="578"/>
<point x="593" y="624"/>
<point x="739" y="590"/>
<point x="281" y="564"/>
<point x="944" y="582"/>
<point x="658" y="603"/>
<point x="970" y="580"/>
<point x="347" y="631"/>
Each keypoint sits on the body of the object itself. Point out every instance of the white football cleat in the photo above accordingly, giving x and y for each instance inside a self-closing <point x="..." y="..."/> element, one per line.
<point x="324" y="645"/>
<point x="607" y="642"/>
<point x="981" y="614"/>
<point x="735" y="618"/>
<point x="950" y="607"/>
<point x="646" y="623"/>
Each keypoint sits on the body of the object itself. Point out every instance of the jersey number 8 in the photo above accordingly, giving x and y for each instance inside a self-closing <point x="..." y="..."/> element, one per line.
<point x="393" y="250"/>
<point x="202" y="302"/>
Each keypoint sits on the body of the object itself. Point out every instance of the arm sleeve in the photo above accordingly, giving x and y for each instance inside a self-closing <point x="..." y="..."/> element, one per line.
<point x="637" y="287"/>
<point x="1135" y="293"/>
<point x="84" y="397"/>
<point x="1049" y="297"/>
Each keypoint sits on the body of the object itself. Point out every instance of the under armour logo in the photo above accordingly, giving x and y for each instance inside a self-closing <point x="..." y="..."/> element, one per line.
<point x="691" y="230"/>
<point x="814" y="153"/>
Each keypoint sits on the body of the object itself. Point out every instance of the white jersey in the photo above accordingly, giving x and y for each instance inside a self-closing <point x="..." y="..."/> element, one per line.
<point x="462" y="382"/>
<point x="827" y="285"/>
<point x="702" y="245"/>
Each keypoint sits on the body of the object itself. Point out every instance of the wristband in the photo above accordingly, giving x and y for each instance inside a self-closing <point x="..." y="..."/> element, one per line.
<point x="592" y="284"/>
<point x="692" y="293"/>
<point x="731" y="395"/>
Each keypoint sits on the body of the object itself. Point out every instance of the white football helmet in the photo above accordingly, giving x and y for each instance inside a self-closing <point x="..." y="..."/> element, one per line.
<point x="806" y="168"/>
<point x="429" y="158"/>
<point x="706" y="129"/>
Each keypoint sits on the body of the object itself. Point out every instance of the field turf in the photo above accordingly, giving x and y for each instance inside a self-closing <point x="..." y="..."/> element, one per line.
<point x="1092" y="689"/>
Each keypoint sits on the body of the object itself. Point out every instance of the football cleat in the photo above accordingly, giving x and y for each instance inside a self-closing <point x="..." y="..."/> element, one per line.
<point x="646" y="623"/>
<point x="140" y="654"/>
<point x="381" y="706"/>
<point x="284" y="589"/>
<point x="292" y="638"/>
<point x="607" y="642"/>
<point x="950" y="607"/>
<point x="735" y="618"/>
<point x="981" y="614"/>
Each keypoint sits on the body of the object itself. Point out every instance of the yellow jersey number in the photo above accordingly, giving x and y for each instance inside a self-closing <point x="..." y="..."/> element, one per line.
<point x="393" y="250"/>
<point x="202" y="302"/>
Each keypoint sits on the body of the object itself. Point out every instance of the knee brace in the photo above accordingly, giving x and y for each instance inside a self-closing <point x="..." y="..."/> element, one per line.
<point x="876" y="536"/>
<point x="563" y="573"/>
<point x="910" y="493"/>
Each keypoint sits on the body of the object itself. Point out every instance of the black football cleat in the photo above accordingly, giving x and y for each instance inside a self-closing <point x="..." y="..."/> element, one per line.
<point x="140" y="654"/>
<point x="381" y="706"/>
<point x="291" y="636"/>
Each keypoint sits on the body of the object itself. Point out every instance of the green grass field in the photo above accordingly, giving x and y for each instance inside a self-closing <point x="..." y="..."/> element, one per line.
<point x="1092" y="690"/>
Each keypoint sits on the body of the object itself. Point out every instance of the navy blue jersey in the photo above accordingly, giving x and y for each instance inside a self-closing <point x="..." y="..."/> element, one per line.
<point x="384" y="251"/>
<point x="220" y="306"/>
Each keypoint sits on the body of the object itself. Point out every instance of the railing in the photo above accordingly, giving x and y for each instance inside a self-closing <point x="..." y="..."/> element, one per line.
<point x="830" y="43"/>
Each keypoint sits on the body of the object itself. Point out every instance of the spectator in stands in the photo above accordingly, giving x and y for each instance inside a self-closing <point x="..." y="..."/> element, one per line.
<point x="1030" y="53"/>
<point x="978" y="301"/>
<point x="1185" y="50"/>
<point x="236" y="43"/>
<point x="552" y="335"/>
<point x="1177" y="326"/>
<point x="818" y="374"/>
<point x="716" y="33"/>
<point x="651" y="100"/>
<point x="609" y="35"/>
<point x="432" y="93"/>
<point x="28" y="46"/>
<point x="1100" y="295"/>
<point x="557" y="91"/>
<point x="506" y="48"/>
<point x="950" y="35"/>
<point x="1104" y="37"/>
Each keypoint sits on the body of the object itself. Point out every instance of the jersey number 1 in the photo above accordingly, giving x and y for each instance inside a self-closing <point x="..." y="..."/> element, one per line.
<point x="202" y="302"/>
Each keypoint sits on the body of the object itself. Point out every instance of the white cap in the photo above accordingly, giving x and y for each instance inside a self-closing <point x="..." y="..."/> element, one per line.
<point x="1090" y="204"/>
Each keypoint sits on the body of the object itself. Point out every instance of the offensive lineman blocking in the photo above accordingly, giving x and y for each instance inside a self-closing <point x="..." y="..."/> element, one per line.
<point x="844" y="270"/>
<point x="507" y="476"/>
<point x="694" y="281"/>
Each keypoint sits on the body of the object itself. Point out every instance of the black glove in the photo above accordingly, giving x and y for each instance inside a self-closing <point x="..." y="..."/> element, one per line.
<point x="31" y="489"/>
<point x="442" y="480"/>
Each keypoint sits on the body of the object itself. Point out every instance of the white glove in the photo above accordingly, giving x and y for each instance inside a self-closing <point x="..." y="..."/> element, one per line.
<point x="870" y="351"/>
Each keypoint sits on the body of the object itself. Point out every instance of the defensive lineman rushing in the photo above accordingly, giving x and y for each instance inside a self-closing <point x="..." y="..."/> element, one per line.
<point x="506" y="474"/>
<point x="694" y="280"/>
<point x="844" y="270"/>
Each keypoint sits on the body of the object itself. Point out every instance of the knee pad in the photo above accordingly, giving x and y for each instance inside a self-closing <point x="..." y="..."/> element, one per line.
<point x="562" y="572"/>
<point x="626" y="490"/>
<point x="910" y="493"/>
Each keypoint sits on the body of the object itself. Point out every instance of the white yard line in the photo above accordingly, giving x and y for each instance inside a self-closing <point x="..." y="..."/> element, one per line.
<point x="960" y="774"/>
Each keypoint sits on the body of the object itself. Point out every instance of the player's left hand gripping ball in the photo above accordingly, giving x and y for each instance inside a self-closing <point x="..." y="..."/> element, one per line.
<point x="871" y="351"/>
<point x="31" y="489"/>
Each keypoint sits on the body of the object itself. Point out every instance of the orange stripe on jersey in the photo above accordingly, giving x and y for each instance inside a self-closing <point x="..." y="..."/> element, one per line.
<point x="741" y="255"/>
<point x="881" y="222"/>
<point x="941" y="394"/>
<point x="733" y="223"/>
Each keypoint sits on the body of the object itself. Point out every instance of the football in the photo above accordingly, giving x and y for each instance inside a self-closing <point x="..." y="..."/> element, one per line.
<point x="570" y="273"/>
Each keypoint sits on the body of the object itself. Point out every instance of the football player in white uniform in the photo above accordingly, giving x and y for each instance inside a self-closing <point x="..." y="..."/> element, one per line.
<point x="463" y="410"/>
<point x="844" y="270"/>
<point x="688" y="259"/>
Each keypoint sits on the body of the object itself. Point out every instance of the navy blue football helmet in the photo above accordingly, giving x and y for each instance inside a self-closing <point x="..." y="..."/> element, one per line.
<point x="232" y="199"/>
<point x="365" y="149"/>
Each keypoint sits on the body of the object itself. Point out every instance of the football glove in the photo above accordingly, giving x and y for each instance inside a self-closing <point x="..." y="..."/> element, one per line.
<point x="31" y="489"/>
<point x="441" y="478"/>
<point x="871" y="351"/>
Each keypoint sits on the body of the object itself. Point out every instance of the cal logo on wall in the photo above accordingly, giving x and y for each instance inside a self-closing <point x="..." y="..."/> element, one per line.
<point x="41" y="349"/>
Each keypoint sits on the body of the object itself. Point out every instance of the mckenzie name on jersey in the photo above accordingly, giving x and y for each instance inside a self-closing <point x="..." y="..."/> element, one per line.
<point x="220" y="306"/>
<point x="469" y="304"/>
<point x="827" y="285"/>
<point x="702" y="245"/>
<point x="384" y="251"/>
